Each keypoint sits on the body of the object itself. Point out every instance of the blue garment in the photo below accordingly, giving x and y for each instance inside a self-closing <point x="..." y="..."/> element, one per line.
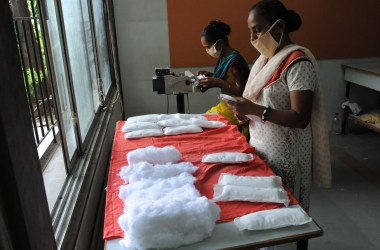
<point x="224" y="64"/>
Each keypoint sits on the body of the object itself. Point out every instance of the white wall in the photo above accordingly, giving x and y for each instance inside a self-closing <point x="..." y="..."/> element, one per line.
<point x="143" y="43"/>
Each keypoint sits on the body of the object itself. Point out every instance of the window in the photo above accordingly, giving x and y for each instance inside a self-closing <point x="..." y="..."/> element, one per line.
<point x="79" y="52"/>
<point x="80" y="55"/>
<point x="65" y="52"/>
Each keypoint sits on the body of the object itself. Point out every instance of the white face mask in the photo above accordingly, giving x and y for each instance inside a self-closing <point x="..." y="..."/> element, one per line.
<point x="212" y="51"/>
<point x="266" y="44"/>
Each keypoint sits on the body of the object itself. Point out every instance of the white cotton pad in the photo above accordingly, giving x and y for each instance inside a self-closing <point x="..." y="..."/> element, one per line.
<point x="207" y="124"/>
<point x="254" y="118"/>
<point x="274" y="218"/>
<point x="154" y="155"/>
<point x="144" y="170"/>
<point x="189" y="116"/>
<point x="227" y="157"/>
<point x="227" y="97"/>
<point x="182" y="130"/>
<point x="200" y="77"/>
<point x="144" y="133"/>
<point x="245" y="193"/>
<point x="251" y="181"/>
<point x="174" y="122"/>
<point x="129" y="127"/>
<point x="143" y="118"/>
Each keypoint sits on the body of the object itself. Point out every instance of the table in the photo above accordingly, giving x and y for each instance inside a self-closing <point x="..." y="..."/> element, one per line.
<point x="193" y="147"/>
<point x="227" y="236"/>
<point x="366" y="75"/>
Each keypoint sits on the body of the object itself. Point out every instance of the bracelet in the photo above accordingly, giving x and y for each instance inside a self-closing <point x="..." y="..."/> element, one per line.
<point x="264" y="116"/>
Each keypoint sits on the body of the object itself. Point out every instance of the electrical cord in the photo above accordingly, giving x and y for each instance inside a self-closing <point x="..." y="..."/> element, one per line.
<point x="188" y="103"/>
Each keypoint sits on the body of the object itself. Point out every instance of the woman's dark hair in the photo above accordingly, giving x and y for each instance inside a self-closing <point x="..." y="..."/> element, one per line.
<point x="216" y="30"/>
<point x="272" y="10"/>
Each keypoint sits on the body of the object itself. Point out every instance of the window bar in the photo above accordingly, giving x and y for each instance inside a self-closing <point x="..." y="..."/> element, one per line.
<point x="26" y="83"/>
<point x="42" y="96"/>
<point x="33" y="80"/>
<point x="50" y="72"/>
<point x="44" y="65"/>
<point x="37" y="25"/>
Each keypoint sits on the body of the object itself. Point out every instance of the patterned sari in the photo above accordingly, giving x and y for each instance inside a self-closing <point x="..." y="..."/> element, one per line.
<point x="297" y="155"/>
<point x="234" y="70"/>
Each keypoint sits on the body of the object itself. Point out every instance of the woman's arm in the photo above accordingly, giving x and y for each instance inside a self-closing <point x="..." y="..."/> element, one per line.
<point x="240" y="72"/>
<point x="298" y="116"/>
<point x="240" y="76"/>
<point x="301" y="79"/>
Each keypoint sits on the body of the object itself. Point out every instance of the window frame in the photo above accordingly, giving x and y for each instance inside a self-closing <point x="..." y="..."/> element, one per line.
<point x="81" y="143"/>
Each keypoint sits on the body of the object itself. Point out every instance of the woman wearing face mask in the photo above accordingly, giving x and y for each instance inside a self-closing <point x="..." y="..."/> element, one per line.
<point x="231" y="71"/>
<point x="283" y="92"/>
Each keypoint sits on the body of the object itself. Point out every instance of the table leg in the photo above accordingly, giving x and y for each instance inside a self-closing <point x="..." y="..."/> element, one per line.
<point x="346" y="109"/>
<point x="302" y="244"/>
<point x="180" y="103"/>
<point x="347" y="90"/>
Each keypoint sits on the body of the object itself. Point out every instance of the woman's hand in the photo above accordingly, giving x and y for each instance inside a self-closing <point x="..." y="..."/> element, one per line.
<point x="209" y="82"/>
<point x="243" y="107"/>
<point x="204" y="72"/>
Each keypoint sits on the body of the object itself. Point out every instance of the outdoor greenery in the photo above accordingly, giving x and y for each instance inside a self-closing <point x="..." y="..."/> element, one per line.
<point x="34" y="78"/>
<point x="33" y="81"/>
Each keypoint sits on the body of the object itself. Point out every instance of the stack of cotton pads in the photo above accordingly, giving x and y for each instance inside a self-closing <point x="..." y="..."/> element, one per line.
<point x="166" y="124"/>
<point x="250" y="188"/>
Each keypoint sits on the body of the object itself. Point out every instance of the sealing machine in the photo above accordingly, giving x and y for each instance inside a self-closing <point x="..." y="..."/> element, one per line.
<point x="170" y="83"/>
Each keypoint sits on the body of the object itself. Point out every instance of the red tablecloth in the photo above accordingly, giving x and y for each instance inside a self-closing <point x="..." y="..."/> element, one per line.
<point x="192" y="148"/>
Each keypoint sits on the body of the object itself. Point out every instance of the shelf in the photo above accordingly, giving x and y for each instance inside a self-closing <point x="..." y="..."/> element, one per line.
<point x="356" y="119"/>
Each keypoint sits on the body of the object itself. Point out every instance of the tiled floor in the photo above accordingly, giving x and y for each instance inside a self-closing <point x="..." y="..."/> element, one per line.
<point x="349" y="212"/>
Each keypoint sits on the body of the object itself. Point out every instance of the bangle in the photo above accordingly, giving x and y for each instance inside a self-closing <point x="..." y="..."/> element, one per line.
<point x="264" y="116"/>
